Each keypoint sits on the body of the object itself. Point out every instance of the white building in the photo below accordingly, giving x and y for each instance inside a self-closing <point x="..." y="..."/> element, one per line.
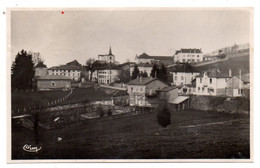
<point x="107" y="75"/>
<point x="211" y="83"/>
<point x="183" y="74"/>
<point x="189" y="55"/>
<point x="72" y="69"/>
<point x="107" y="58"/>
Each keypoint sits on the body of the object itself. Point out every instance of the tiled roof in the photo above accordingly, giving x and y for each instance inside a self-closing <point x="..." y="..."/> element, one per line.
<point x="146" y="56"/>
<point x="214" y="74"/>
<point x="40" y="65"/>
<point x="75" y="62"/>
<point x="142" y="81"/>
<point x="167" y="88"/>
<point x="65" y="67"/>
<point x="188" y="50"/>
<point x="53" y="77"/>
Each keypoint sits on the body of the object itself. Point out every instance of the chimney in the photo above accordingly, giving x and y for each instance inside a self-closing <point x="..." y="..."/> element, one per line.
<point x="230" y="72"/>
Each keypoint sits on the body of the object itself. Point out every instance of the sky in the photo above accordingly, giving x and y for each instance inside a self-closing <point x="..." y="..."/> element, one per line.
<point x="83" y="34"/>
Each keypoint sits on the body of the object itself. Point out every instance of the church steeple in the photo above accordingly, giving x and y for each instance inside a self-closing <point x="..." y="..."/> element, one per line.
<point x="110" y="51"/>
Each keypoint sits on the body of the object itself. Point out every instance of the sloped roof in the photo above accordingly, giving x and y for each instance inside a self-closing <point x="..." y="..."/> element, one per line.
<point x="146" y="56"/>
<point x="188" y="50"/>
<point x="40" y="65"/>
<point x="53" y="77"/>
<point x="65" y="67"/>
<point x="75" y="62"/>
<point x="168" y="88"/>
<point x="142" y="81"/>
<point x="214" y="74"/>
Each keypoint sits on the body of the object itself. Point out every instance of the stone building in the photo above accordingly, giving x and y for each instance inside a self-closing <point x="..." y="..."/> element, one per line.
<point x="107" y="58"/>
<point x="143" y="90"/>
<point x="53" y="82"/>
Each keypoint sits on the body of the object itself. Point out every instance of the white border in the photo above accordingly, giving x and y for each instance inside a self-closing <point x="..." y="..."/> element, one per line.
<point x="133" y="3"/>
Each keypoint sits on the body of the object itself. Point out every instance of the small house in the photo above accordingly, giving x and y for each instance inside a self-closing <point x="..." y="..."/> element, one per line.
<point x="53" y="82"/>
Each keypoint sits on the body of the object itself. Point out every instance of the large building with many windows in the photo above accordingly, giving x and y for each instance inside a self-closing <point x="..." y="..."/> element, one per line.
<point x="72" y="69"/>
<point x="188" y="55"/>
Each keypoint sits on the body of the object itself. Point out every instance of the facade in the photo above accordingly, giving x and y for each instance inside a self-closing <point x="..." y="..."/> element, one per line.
<point x="40" y="69"/>
<point x="168" y="93"/>
<point x="107" y="58"/>
<point x="211" y="83"/>
<point x="145" y="58"/>
<point x="143" y="67"/>
<point x="107" y="75"/>
<point x="53" y="82"/>
<point x="141" y="89"/>
<point x="188" y="55"/>
<point x="238" y="86"/>
<point x="183" y="74"/>
<point x="72" y="69"/>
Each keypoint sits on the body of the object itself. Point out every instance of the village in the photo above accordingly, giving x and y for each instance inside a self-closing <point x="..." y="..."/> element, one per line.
<point x="190" y="82"/>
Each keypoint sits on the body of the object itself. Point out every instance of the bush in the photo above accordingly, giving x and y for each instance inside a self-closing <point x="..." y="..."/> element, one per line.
<point x="109" y="112"/>
<point x="164" y="117"/>
<point x="101" y="112"/>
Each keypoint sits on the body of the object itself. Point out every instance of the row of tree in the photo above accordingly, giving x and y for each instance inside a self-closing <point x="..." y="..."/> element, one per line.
<point x="157" y="72"/>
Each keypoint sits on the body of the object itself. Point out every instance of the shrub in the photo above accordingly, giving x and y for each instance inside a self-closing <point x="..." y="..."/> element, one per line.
<point x="101" y="112"/>
<point x="109" y="112"/>
<point x="164" y="117"/>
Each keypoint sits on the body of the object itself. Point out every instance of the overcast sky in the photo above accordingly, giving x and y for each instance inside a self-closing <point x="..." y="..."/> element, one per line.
<point x="83" y="34"/>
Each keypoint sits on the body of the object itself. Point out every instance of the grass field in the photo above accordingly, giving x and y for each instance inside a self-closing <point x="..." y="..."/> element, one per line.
<point x="191" y="135"/>
<point x="235" y="64"/>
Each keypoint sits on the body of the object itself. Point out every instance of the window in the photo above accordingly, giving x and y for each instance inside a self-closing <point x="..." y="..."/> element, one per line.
<point x="210" y="81"/>
<point x="203" y="89"/>
<point x="52" y="84"/>
<point x="181" y="77"/>
<point x="176" y="77"/>
<point x="200" y="80"/>
<point x="183" y="60"/>
<point x="198" y="56"/>
<point x="198" y="88"/>
<point x="198" y="60"/>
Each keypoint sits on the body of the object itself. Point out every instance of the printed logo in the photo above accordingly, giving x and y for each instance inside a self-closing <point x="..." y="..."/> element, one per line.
<point x="30" y="148"/>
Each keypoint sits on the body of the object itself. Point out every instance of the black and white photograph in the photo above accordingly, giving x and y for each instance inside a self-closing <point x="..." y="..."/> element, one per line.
<point x="130" y="84"/>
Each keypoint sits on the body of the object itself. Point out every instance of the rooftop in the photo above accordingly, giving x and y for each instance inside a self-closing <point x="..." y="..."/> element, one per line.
<point x="146" y="56"/>
<point x="53" y="77"/>
<point x="142" y="81"/>
<point x="215" y="73"/>
<point x="188" y="50"/>
<point x="167" y="88"/>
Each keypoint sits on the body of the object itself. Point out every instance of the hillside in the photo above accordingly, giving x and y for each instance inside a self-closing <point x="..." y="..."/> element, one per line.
<point x="234" y="64"/>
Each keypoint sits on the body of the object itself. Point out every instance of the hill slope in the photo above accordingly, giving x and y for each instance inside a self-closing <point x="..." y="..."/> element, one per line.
<point x="234" y="64"/>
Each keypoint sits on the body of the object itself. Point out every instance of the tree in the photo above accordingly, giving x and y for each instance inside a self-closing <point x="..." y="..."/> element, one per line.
<point x="154" y="72"/>
<point x="162" y="74"/>
<point x="22" y="71"/>
<point x="101" y="112"/>
<point x="36" y="57"/>
<point x="109" y="112"/>
<point x="135" y="72"/>
<point x="164" y="116"/>
<point x="89" y="64"/>
<point x="144" y="74"/>
<point x="124" y="76"/>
